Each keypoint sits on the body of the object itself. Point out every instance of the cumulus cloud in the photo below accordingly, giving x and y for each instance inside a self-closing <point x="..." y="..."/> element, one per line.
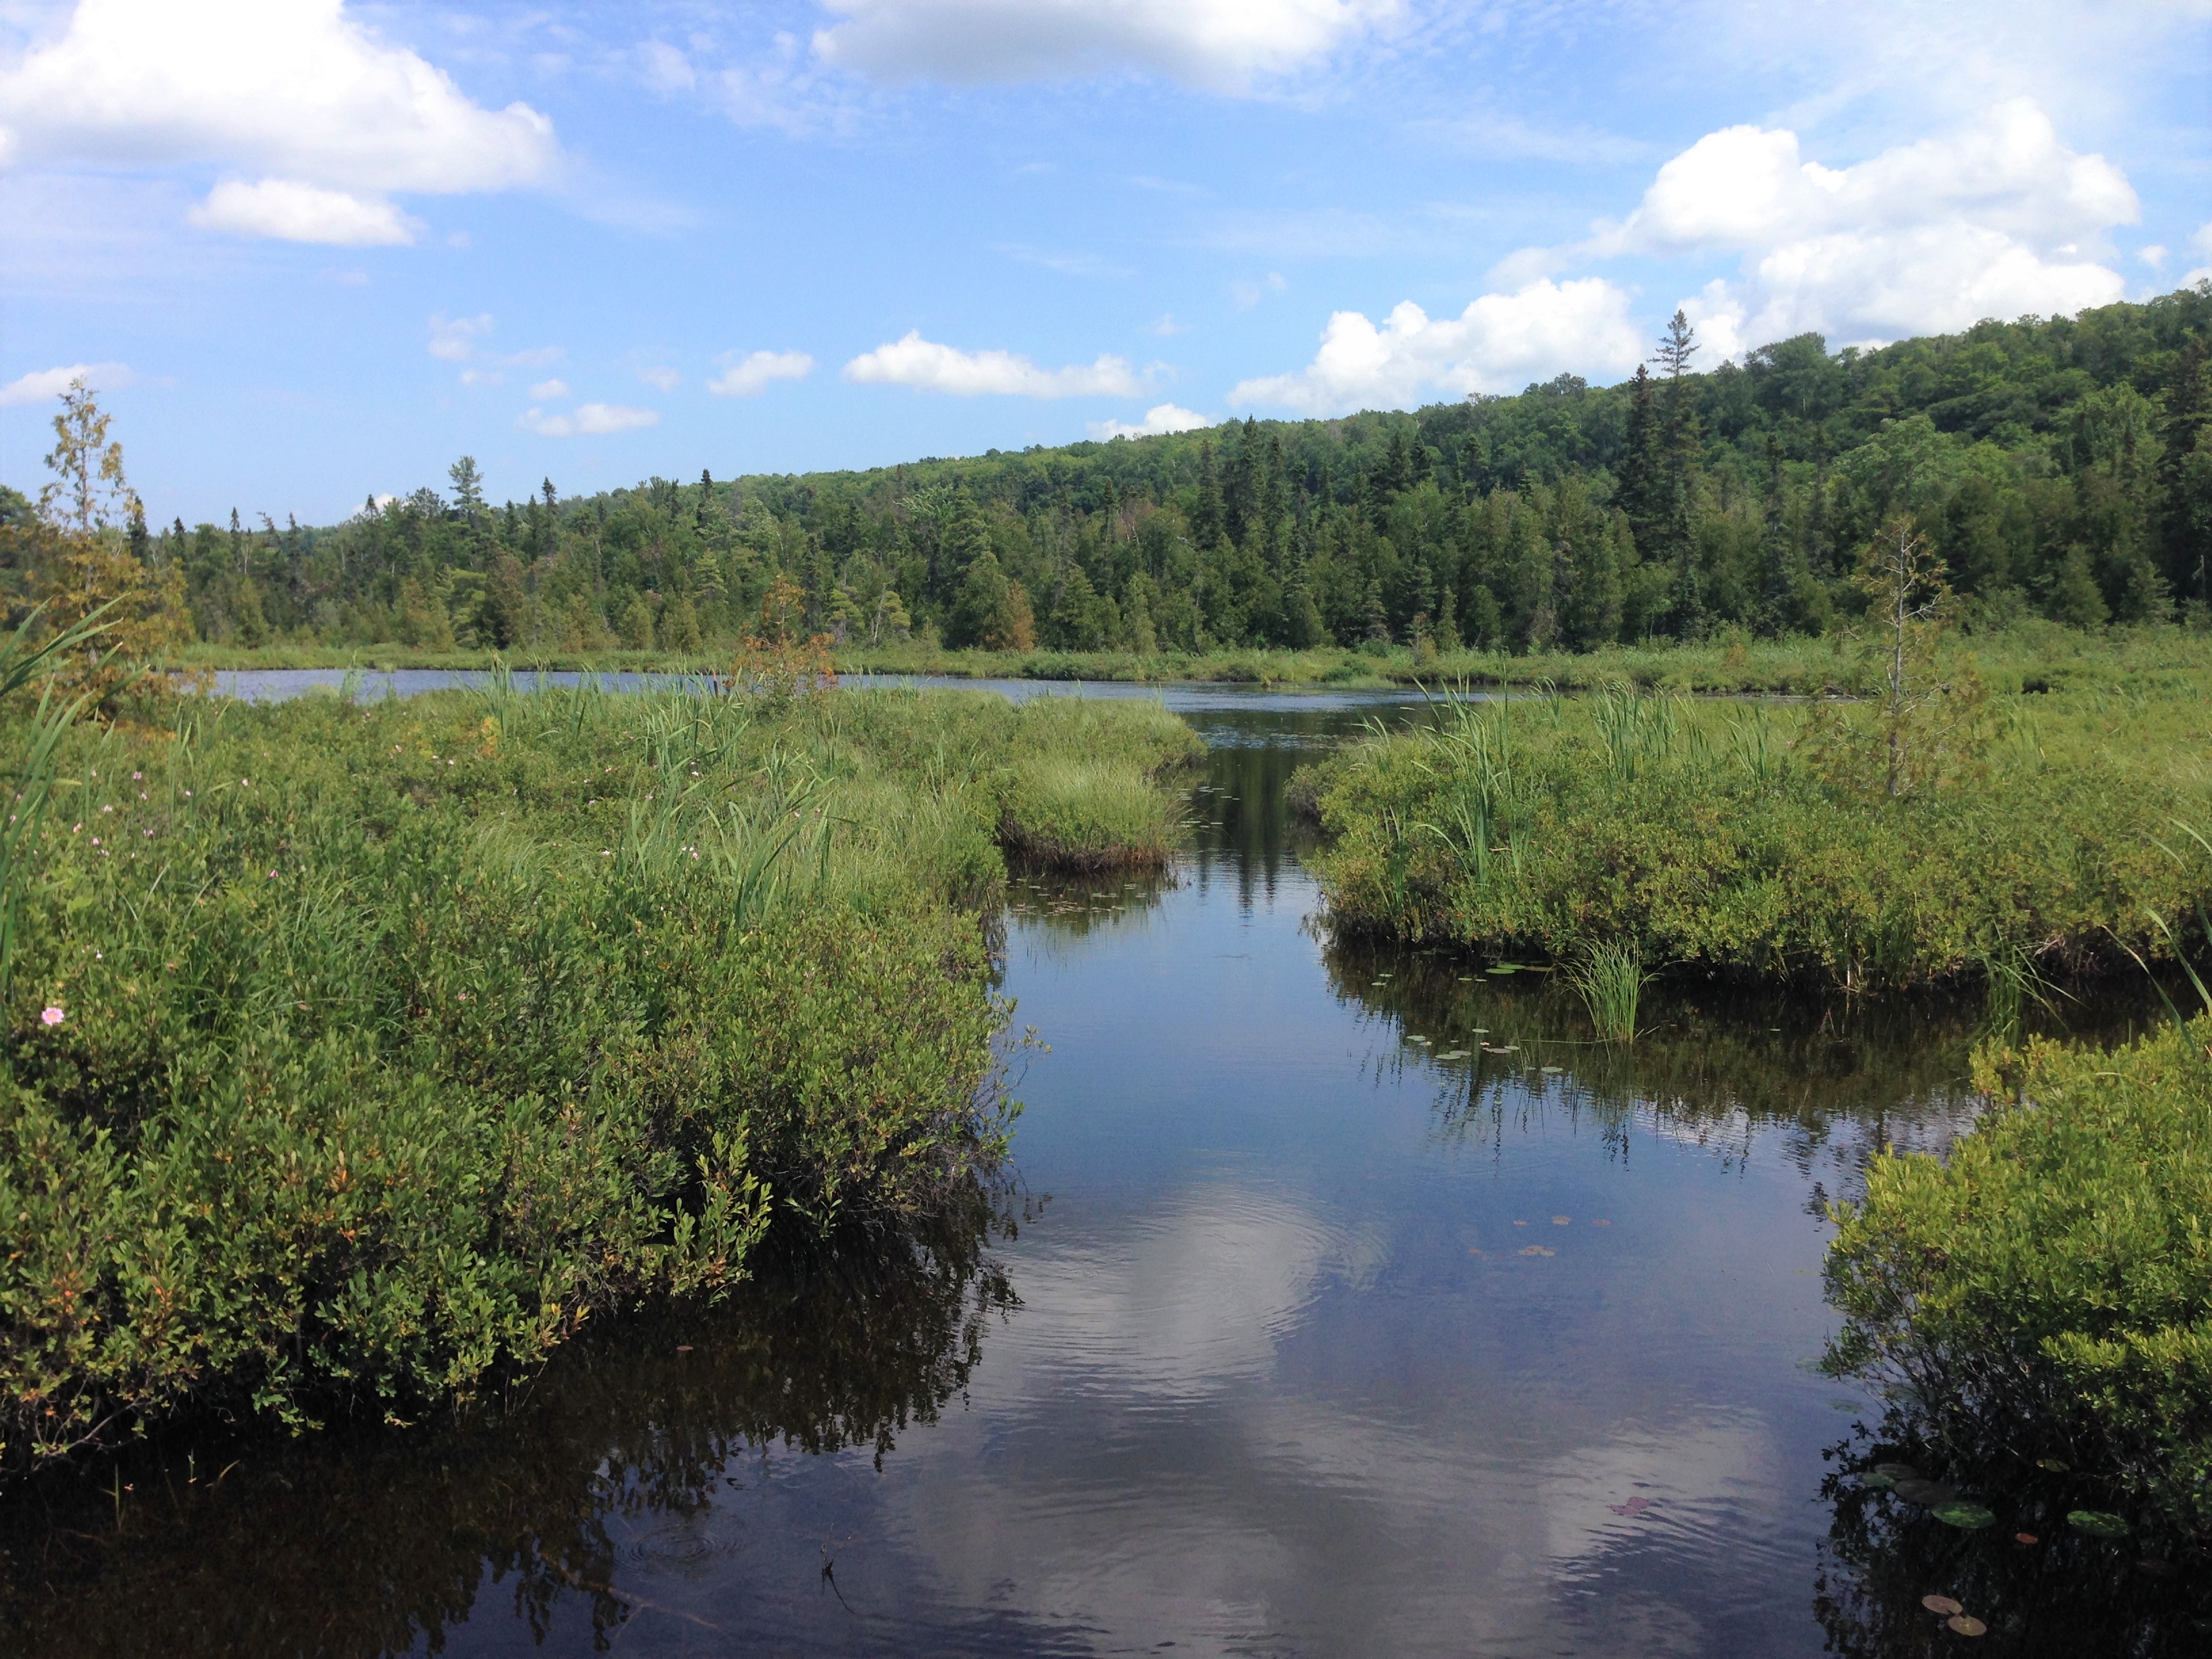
<point x="291" y="89"/>
<point x="929" y="366"/>
<point x="289" y="212"/>
<point x="41" y="384"/>
<point x="1499" y="344"/>
<point x="1997" y="220"/>
<point x="590" y="420"/>
<point x="660" y="376"/>
<point x="546" y="391"/>
<point x="1159" y="419"/>
<point x="1225" y="45"/>
<point x="2202" y="241"/>
<point x="752" y="373"/>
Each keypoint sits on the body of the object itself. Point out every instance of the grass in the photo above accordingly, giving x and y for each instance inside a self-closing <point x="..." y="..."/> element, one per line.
<point x="392" y="1045"/>
<point x="1725" y="838"/>
<point x="1610" y="979"/>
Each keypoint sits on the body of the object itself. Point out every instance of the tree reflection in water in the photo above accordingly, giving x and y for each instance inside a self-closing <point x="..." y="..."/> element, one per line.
<point x="377" y="1542"/>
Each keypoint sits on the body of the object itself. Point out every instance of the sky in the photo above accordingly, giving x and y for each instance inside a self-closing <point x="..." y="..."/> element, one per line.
<point x="309" y="252"/>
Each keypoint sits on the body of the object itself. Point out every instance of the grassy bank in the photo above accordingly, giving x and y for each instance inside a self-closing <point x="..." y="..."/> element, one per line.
<point x="357" y="1056"/>
<point x="2044" y="1297"/>
<point x="1749" y="840"/>
<point x="2033" y="655"/>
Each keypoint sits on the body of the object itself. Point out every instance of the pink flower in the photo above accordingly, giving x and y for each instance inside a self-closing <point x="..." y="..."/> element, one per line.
<point x="51" y="1016"/>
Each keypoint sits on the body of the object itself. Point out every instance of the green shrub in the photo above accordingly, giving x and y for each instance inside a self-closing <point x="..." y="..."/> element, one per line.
<point x="394" y="1043"/>
<point x="2047" y="1289"/>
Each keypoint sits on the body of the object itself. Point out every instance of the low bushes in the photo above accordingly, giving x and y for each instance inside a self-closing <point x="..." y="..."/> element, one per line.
<point x="357" y="1056"/>
<point x="1721" y="837"/>
<point x="2045" y="1293"/>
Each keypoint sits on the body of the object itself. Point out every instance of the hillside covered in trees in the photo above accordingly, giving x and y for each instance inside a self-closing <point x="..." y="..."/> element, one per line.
<point x="2060" y="466"/>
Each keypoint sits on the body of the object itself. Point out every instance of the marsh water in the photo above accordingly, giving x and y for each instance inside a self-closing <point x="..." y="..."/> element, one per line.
<point x="1345" y="1301"/>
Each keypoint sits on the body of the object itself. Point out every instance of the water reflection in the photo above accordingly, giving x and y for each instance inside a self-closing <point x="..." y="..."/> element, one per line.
<point x="649" y="1449"/>
<point x="1376" y="1309"/>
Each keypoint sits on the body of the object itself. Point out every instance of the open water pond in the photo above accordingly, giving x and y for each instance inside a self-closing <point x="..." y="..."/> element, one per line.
<point x="1355" y="1305"/>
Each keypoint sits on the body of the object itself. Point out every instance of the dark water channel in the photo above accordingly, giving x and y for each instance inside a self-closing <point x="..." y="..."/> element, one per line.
<point x="1349" y="1302"/>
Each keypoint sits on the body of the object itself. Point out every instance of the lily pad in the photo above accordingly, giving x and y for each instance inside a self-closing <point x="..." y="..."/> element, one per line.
<point x="2098" y="1523"/>
<point x="1942" y="1604"/>
<point x="1965" y="1513"/>
<point x="1897" y="1471"/>
<point x="2026" y="1538"/>
<point x="1876" y="1482"/>
<point x="1537" y="1249"/>
<point x="2054" y="1465"/>
<point x="1967" y="1625"/>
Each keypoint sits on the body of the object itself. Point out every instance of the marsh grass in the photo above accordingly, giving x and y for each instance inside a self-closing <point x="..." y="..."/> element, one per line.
<point x="1719" y="837"/>
<point x="1610" y="979"/>
<point x="398" y="1041"/>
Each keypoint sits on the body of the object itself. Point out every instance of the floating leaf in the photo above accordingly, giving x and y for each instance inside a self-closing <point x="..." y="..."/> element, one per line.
<point x="1942" y="1604"/>
<point x="2026" y="1538"/>
<point x="1967" y="1625"/>
<point x="1634" y="1507"/>
<point x="1537" y="1249"/>
<point x="1876" y="1482"/>
<point x="1550" y="1071"/>
<point x="1558" y="1221"/>
<point x="1504" y="968"/>
<point x="2053" y="1464"/>
<point x="1965" y="1513"/>
<point x="1601" y="1222"/>
<point x="1897" y="1471"/>
<point x="2098" y="1523"/>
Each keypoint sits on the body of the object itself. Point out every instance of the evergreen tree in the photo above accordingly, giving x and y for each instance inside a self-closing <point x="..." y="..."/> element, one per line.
<point x="1208" y="518"/>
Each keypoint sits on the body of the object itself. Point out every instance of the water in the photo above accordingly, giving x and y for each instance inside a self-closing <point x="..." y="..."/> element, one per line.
<point x="1296" y="1336"/>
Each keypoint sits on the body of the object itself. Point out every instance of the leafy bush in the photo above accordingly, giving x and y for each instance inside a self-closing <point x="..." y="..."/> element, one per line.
<point x="2047" y="1290"/>
<point x="358" y="1056"/>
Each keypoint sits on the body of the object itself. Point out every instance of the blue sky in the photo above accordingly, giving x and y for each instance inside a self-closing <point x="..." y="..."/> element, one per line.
<point x="312" y="251"/>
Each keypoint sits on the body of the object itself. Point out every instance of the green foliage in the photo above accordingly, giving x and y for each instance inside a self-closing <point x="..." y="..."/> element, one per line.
<point x="2045" y="1292"/>
<point x="1720" y="837"/>
<point x="396" y="1042"/>
<point x="2057" y="466"/>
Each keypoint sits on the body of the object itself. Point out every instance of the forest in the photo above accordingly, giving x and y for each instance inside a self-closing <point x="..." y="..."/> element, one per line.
<point x="2059" y="467"/>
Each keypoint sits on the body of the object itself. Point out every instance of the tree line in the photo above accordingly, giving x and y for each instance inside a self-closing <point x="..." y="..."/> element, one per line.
<point x="2057" y="466"/>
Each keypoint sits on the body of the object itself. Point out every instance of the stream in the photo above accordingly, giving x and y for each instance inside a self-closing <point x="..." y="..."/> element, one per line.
<point x="1347" y="1301"/>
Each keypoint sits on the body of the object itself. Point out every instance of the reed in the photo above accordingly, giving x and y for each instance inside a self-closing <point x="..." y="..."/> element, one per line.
<point x="1610" y="979"/>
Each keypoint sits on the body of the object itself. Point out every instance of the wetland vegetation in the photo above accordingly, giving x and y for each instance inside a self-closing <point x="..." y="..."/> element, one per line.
<point x="359" y="1056"/>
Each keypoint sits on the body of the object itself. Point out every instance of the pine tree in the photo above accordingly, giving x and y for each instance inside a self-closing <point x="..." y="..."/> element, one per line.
<point x="1206" y="517"/>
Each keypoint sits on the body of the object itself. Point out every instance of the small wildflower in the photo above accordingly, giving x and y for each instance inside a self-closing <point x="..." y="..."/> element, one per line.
<point x="107" y="809"/>
<point x="136" y="776"/>
<point x="95" y="841"/>
<point x="50" y="1015"/>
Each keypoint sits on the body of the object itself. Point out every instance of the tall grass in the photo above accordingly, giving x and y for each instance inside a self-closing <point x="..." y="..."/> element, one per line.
<point x="1610" y="979"/>
<point x="396" y="1042"/>
<point x="1723" y="838"/>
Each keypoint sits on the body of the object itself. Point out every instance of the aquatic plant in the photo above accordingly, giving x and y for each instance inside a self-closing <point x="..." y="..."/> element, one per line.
<point x="1610" y="979"/>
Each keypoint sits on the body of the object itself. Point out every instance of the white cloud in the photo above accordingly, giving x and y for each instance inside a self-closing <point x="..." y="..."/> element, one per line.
<point x="1161" y="417"/>
<point x="454" y="338"/>
<point x="546" y="391"/>
<point x="665" y="69"/>
<point x="590" y="420"/>
<point x="293" y="89"/>
<point x="1499" y="342"/>
<point x="2202" y="241"/>
<point x="1221" y="44"/>
<point x="1248" y="293"/>
<point x="1997" y="220"/>
<point x="289" y="212"/>
<point x="2154" y="255"/>
<point x="481" y="377"/>
<point x="41" y="384"/>
<point x="929" y="366"/>
<point x="752" y="373"/>
<point x="660" y="375"/>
